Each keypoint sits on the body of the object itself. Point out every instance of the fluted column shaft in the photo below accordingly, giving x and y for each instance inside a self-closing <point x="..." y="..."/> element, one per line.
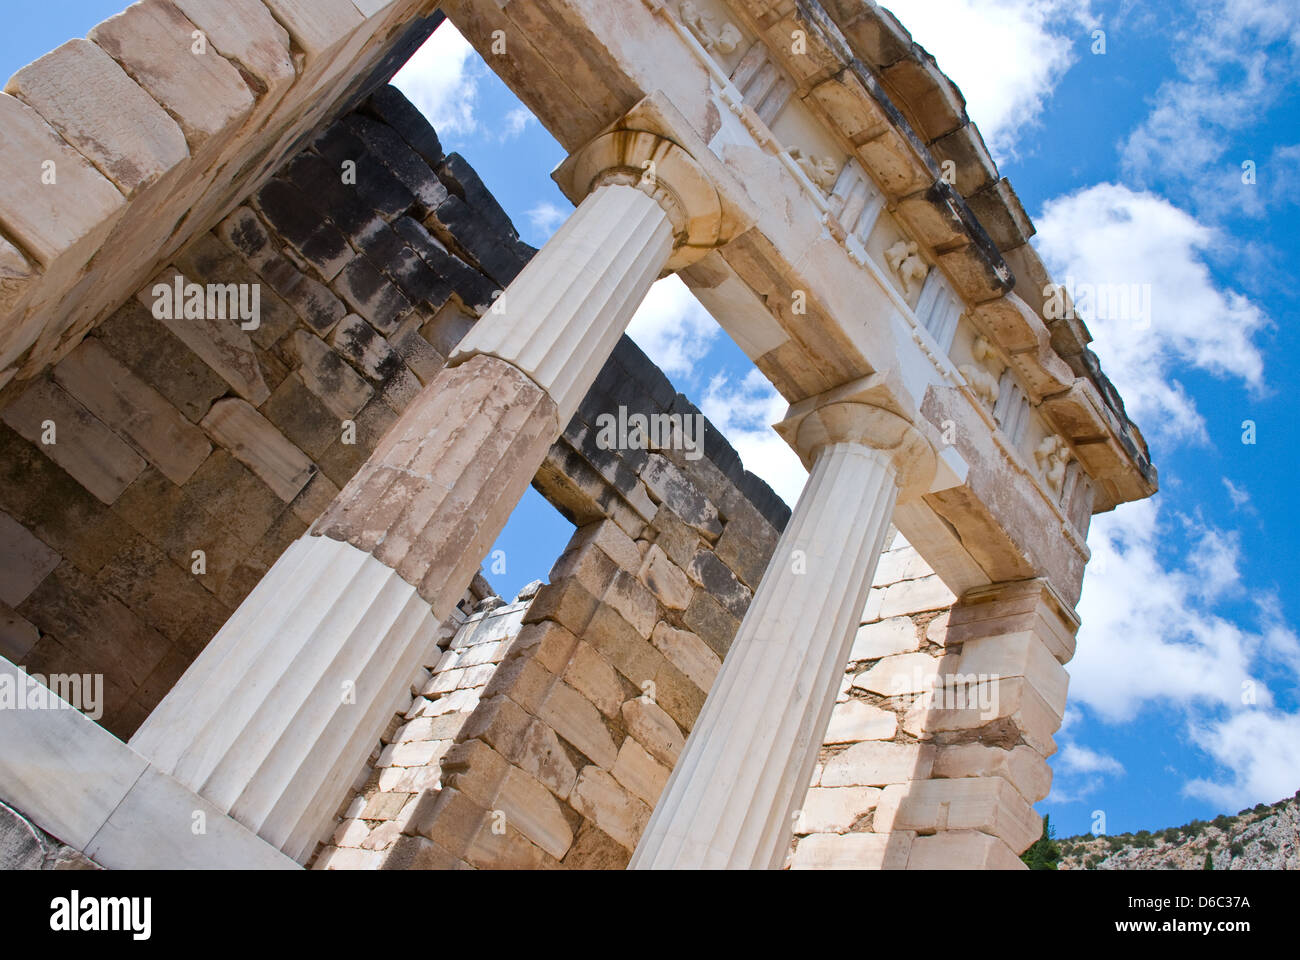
<point x="278" y="714"/>
<point x="731" y="800"/>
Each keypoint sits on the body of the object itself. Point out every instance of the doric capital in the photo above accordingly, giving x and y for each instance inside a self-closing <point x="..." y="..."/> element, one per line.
<point x="853" y="414"/>
<point x="664" y="170"/>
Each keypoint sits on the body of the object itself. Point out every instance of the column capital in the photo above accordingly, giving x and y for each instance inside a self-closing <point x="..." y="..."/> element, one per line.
<point x="652" y="149"/>
<point x="856" y="414"/>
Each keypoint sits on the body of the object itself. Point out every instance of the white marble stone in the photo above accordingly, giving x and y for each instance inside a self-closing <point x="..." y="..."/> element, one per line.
<point x="275" y="717"/>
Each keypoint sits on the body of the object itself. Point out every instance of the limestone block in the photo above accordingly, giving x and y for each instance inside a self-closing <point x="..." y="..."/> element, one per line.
<point x="713" y="624"/>
<point x="245" y="33"/>
<point x="88" y="450"/>
<point x="133" y="409"/>
<point x="990" y="805"/>
<point x="153" y="42"/>
<point x="532" y="810"/>
<point x="877" y="764"/>
<point x="1006" y="608"/>
<point x="884" y="638"/>
<point x="834" y="809"/>
<point x="1022" y="767"/>
<point x="915" y="596"/>
<point x="855" y="721"/>
<point x="573" y="717"/>
<point x="654" y="729"/>
<point x="1010" y="705"/>
<point x="639" y="772"/>
<point x="591" y="675"/>
<point x="257" y="444"/>
<point x="633" y="602"/>
<point x="875" y="598"/>
<point x="24" y="561"/>
<point x="901" y="564"/>
<point x="372" y="295"/>
<point x="852" y="851"/>
<point x="721" y="584"/>
<point x="671" y="488"/>
<point x="616" y="544"/>
<point x="688" y="653"/>
<point x="50" y="219"/>
<point x="221" y="344"/>
<point x="962" y="850"/>
<point x="903" y="674"/>
<point x="161" y="360"/>
<point x="600" y="798"/>
<point x="666" y="580"/>
<point x="588" y="565"/>
<point x="101" y="111"/>
<point x="1018" y="655"/>
<point x="317" y="26"/>
<point x="15" y="275"/>
<point x="541" y="754"/>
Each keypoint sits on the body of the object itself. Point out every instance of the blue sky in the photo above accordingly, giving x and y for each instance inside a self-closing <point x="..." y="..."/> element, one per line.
<point x="1185" y="694"/>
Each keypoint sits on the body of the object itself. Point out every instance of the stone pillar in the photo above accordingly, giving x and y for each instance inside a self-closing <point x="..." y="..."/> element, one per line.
<point x="278" y="714"/>
<point x="992" y="724"/>
<point x="731" y="800"/>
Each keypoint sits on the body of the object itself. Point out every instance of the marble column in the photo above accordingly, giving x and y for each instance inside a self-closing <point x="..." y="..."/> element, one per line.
<point x="732" y="797"/>
<point x="278" y="714"/>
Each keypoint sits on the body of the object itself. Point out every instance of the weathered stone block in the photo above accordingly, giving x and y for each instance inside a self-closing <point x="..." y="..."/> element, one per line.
<point x="133" y="409"/>
<point x="600" y="798"/>
<point x="83" y="446"/>
<point x="591" y="675"/>
<point x="49" y="220"/>
<point x="574" y="718"/>
<point x="852" y="851"/>
<point x="835" y="809"/>
<point x="962" y="850"/>
<point x="101" y="111"/>
<point x="654" y="729"/>
<point x="688" y="653"/>
<point x="221" y="344"/>
<point x="990" y="805"/>
<point x="203" y="92"/>
<point x="876" y="764"/>
<point x="855" y="721"/>
<point x="259" y="446"/>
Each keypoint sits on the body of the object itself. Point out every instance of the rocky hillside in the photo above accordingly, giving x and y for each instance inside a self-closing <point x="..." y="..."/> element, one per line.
<point x="1262" y="838"/>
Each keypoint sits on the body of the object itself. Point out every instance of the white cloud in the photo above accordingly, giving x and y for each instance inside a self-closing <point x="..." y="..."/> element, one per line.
<point x="1261" y="751"/>
<point x="1239" y="496"/>
<point x="1169" y="645"/>
<point x="1234" y="62"/>
<point x="672" y="328"/>
<point x="545" y="219"/>
<point x="441" y="80"/>
<point x="514" y="123"/>
<point x="1078" y="759"/>
<point x="744" y="412"/>
<point x="1109" y="234"/>
<point x="1033" y="40"/>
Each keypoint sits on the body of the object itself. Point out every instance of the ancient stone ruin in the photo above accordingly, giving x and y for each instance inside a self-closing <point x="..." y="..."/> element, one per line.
<point x="277" y="370"/>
